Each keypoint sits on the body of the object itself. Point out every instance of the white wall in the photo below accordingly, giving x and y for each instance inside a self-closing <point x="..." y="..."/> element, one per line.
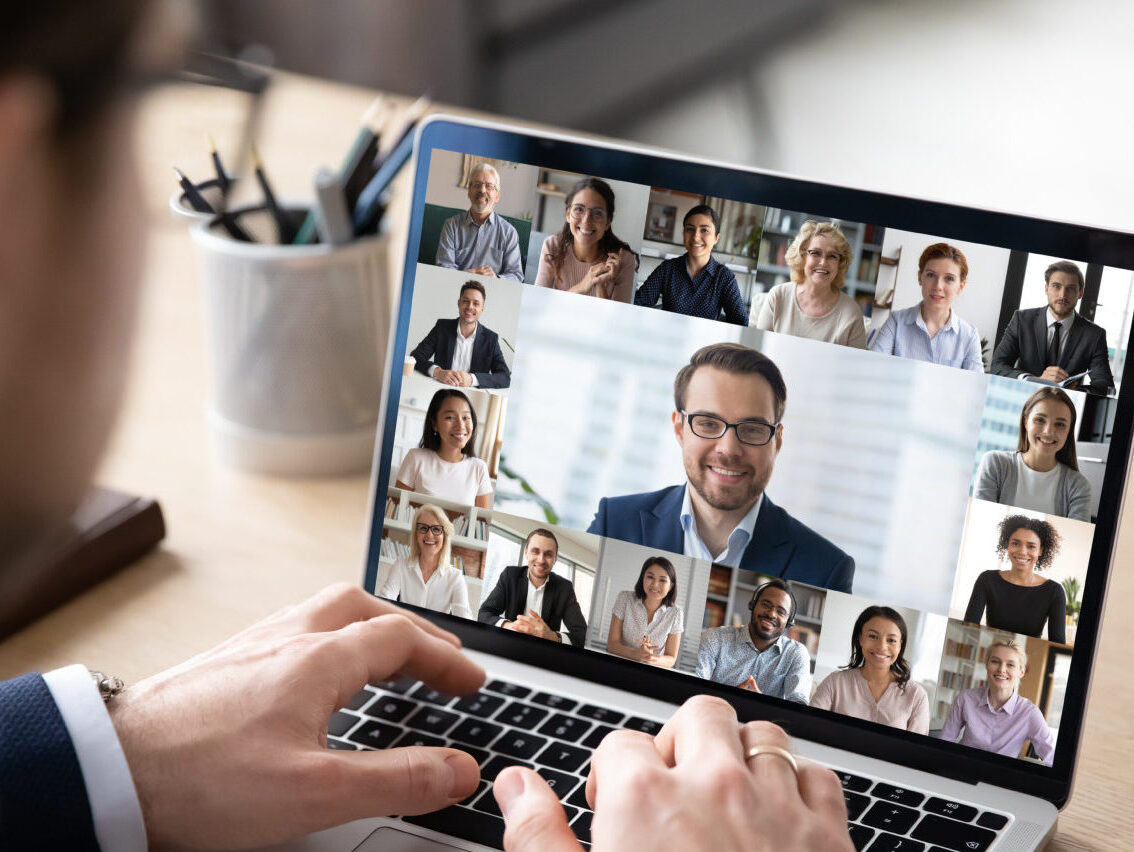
<point x="979" y="303"/>
<point x="517" y="186"/>
<point x="436" y="291"/>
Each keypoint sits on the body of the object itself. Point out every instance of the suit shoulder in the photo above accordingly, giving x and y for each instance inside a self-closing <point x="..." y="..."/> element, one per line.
<point x="642" y="500"/>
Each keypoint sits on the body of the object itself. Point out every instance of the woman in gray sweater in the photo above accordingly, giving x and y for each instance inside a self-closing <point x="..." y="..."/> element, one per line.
<point x="1043" y="474"/>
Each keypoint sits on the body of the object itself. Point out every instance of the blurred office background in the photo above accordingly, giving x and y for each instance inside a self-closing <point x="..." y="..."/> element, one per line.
<point x="1011" y="104"/>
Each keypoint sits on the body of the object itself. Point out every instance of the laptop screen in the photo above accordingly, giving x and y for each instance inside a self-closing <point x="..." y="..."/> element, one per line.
<point x="852" y="460"/>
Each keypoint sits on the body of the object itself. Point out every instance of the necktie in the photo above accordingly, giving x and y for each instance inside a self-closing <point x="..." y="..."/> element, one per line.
<point x="1053" y="347"/>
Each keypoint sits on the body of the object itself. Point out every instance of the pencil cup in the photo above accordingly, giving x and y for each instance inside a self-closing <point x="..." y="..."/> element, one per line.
<point x="181" y="209"/>
<point x="297" y="338"/>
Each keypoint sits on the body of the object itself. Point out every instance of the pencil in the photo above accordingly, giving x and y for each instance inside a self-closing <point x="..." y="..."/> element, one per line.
<point x="222" y="176"/>
<point x="284" y="228"/>
<point x="195" y="199"/>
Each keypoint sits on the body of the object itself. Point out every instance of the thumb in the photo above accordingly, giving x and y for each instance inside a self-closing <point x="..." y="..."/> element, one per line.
<point x="408" y="780"/>
<point x="533" y="818"/>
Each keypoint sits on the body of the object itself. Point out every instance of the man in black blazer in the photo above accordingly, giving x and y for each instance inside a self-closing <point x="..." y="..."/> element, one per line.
<point x="461" y="351"/>
<point x="1053" y="343"/>
<point x="532" y="599"/>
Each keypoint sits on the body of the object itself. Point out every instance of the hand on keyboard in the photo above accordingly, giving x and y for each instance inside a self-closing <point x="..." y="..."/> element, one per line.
<point x="230" y="748"/>
<point x="689" y="788"/>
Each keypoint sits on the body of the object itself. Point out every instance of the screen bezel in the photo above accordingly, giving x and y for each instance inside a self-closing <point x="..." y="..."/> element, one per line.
<point x="655" y="168"/>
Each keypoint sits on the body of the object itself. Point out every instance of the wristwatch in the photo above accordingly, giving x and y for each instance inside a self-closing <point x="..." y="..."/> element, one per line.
<point x="108" y="685"/>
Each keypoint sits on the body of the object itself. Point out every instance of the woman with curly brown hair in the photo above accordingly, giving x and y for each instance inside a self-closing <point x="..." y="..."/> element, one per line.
<point x="1018" y="599"/>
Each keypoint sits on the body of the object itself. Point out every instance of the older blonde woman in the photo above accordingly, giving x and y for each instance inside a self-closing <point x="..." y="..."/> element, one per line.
<point x="812" y="304"/>
<point x="427" y="578"/>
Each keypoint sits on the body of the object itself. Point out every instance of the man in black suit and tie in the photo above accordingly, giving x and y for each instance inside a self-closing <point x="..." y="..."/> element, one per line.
<point x="533" y="600"/>
<point x="461" y="351"/>
<point x="1053" y="343"/>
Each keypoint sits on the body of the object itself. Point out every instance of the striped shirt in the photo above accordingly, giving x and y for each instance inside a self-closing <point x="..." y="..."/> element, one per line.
<point x="712" y="291"/>
<point x="904" y="334"/>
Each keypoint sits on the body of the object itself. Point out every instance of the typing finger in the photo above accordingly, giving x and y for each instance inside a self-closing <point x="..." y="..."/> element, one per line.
<point x="703" y="728"/>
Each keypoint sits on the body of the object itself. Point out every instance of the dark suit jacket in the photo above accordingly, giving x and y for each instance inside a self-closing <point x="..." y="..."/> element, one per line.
<point x="780" y="546"/>
<point x="510" y="598"/>
<point x="1023" y="348"/>
<point x="488" y="364"/>
<point x="43" y="801"/>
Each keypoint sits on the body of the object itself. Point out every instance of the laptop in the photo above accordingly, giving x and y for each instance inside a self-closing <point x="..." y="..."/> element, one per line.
<point x="896" y="488"/>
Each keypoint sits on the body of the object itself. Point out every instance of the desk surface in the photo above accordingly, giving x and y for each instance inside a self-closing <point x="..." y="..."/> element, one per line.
<point x="241" y="546"/>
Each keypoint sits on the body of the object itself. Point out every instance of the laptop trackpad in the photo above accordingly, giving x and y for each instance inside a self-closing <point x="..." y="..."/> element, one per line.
<point x="387" y="839"/>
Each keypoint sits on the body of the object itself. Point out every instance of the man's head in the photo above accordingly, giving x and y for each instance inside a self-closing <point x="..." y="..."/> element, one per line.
<point x="69" y="260"/>
<point x="541" y="549"/>
<point x="737" y="394"/>
<point x="773" y="610"/>
<point x="1063" y="284"/>
<point x="484" y="189"/>
<point x="470" y="303"/>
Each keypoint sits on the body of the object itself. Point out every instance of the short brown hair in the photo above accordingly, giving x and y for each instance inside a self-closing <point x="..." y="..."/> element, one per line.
<point x="732" y="358"/>
<point x="474" y="285"/>
<point x="947" y="252"/>
<point x="1064" y="266"/>
<point x="1066" y="453"/>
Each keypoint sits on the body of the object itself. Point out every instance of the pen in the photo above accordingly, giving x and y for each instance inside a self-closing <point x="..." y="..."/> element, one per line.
<point x="331" y="209"/>
<point x="368" y="209"/>
<point x="195" y="199"/>
<point x="222" y="176"/>
<point x="283" y="226"/>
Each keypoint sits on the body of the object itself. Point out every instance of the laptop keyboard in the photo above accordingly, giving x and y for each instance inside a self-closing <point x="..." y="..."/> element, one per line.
<point x="508" y="724"/>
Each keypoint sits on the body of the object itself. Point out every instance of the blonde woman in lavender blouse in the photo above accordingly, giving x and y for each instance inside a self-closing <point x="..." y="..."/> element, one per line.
<point x="995" y="717"/>
<point x="875" y="685"/>
<point x="646" y="625"/>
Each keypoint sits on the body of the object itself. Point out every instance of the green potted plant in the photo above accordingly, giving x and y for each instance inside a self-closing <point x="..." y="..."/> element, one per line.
<point x="1071" y="589"/>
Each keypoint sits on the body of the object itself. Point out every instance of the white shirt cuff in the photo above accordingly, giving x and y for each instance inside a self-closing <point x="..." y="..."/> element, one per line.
<point x="115" y="809"/>
<point x="475" y="383"/>
<point x="432" y="369"/>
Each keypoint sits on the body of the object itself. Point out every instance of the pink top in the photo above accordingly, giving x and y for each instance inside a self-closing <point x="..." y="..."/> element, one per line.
<point x="846" y="691"/>
<point x="572" y="270"/>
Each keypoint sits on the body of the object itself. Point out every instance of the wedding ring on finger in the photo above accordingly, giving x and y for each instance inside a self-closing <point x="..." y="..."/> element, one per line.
<point x="776" y="751"/>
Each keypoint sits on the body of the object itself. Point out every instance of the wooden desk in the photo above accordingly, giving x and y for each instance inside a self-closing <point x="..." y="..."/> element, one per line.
<point x="240" y="546"/>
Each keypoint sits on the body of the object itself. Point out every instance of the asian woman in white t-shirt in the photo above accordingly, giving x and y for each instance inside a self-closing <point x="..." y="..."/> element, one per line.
<point x="1043" y="473"/>
<point x="444" y="463"/>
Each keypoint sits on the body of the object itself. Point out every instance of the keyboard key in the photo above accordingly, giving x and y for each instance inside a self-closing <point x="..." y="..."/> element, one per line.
<point x="359" y="700"/>
<point x="341" y="723"/>
<point x="555" y="702"/>
<point x="566" y="728"/>
<point x="579" y="797"/>
<point x="570" y="812"/>
<point x="512" y="690"/>
<point x="376" y="734"/>
<point x="340" y="745"/>
<point x="519" y="744"/>
<point x="401" y="686"/>
<point x="465" y="823"/>
<point x="431" y="721"/>
<point x="856" y="804"/>
<point x="953" y="835"/>
<point x="892" y="843"/>
<point x="475" y="732"/>
<point x="521" y="715"/>
<point x="601" y="714"/>
<point x="854" y="783"/>
<point x="582" y="826"/>
<point x="990" y="820"/>
<point x="890" y="817"/>
<point x="479" y="704"/>
<point x="481" y="786"/>
<point x="498" y="764"/>
<point x="487" y="804"/>
<point x="390" y="708"/>
<point x="477" y="754"/>
<point x="596" y="736"/>
<point x="415" y="738"/>
<point x="944" y="807"/>
<point x="646" y="726"/>
<point x="433" y="696"/>
<point x="566" y="758"/>
<point x="860" y="835"/>
<point x="560" y="782"/>
<point x="890" y="793"/>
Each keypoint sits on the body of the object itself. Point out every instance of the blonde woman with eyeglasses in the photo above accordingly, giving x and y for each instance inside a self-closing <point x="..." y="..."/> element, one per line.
<point x="427" y="578"/>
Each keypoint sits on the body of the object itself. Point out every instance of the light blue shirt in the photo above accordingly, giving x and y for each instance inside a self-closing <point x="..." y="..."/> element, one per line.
<point x="466" y="245"/>
<point x="737" y="540"/>
<point x="904" y="334"/>
<point x="783" y="670"/>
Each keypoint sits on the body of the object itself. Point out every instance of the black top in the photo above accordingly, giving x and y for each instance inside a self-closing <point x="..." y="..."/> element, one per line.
<point x="1019" y="609"/>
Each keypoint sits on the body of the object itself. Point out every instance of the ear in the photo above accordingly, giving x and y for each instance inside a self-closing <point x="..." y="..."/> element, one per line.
<point x="779" y="439"/>
<point x="678" y="429"/>
<point x="27" y="110"/>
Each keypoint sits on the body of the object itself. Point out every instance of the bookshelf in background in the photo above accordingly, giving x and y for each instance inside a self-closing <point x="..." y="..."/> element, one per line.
<point x="470" y="529"/>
